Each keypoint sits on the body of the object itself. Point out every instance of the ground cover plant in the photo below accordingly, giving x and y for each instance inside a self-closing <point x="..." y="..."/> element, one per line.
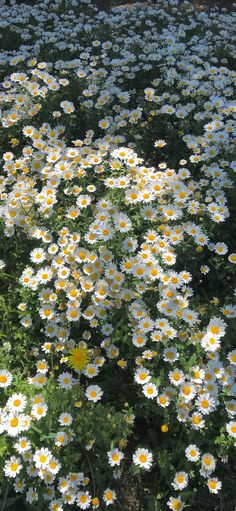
<point x="117" y="343"/>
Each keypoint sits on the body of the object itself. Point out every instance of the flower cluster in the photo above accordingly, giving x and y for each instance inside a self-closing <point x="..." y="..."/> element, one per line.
<point x="119" y="241"/>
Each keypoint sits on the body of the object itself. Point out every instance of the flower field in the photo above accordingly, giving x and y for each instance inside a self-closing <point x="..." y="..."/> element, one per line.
<point x="117" y="220"/>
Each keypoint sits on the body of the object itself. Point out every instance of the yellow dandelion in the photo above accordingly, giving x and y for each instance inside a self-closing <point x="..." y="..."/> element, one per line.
<point x="79" y="358"/>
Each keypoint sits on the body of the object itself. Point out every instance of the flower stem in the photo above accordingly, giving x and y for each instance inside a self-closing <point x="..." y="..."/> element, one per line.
<point x="5" y="497"/>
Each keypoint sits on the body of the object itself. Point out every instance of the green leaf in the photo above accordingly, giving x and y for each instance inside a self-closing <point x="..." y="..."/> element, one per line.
<point x="3" y="445"/>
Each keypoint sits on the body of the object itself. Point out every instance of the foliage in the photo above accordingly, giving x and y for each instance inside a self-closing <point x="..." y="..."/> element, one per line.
<point x="117" y="342"/>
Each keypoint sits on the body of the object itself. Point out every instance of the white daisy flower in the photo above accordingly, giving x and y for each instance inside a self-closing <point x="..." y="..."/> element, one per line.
<point x="150" y="390"/>
<point x="94" y="393"/>
<point x="231" y="429"/>
<point x="143" y="458"/>
<point x="192" y="453"/>
<point x="65" y="419"/>
<point x="208" y="463"/>
<point x="17" y="402"/>
<point x="142" y="376"/>
<point x="83" y="499"/>
<point x="114" y="457"/>
<point x="180" y="480"/>
<point x="12" y="467"/>
<point x="214" y="485"/>
<point x="42" y="457"/>
<point x="109" y="496"/>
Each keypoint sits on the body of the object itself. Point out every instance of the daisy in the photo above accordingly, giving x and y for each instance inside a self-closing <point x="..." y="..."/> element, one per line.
<point x="69" y="498"/>
<point x="216" y="327"/>
<point x="150" y="390"/>
<point x="42" y="366"/>
<point x="208" y="462"/>
<point x="42" y="457"/>
<point x="163" y="400"/>
<point x="204" y="269"/>
<point x="146" y="324"/>
<point x="73" y="314"/>
<point x="122" y="222"/>
<point x="231" y="357"/>
<point x="231" y="407"/>
<point x="38" y="255"/>
<point x="31" y="495"/>
<point x="63" y="272"/>
<point x="105" y="232"/>
<point x="180" y="480"/>
<point x="192" y="453"/>
<point x="197" y="421"/>
<point x="231" y="428"/>
<point x="171" y="212"/>
<point x="15" y="424"/>
<point x="175" y="504"/>
<point x="143" y="458"/>
<point x="63" y="484"/>
<point x="65" y="381"/>
<point x="22" y="444"/>
<point x="56" y="505"/>
<point x="94" y="393"/>
<point x="232" y="258"/>
<point x="206" y="404"/>
<point x="187" y="391"/>
<point x="19" y="485"/>
<point x="83" y="500"/>
<point x="114" y="457"/>
<point x="44" y="275"/>
<point x="221" y="248"/>
<point x="65" y="419"/>
<point x="156" y="335"/>
<point x="47" y="312"/>
<point x="95" y="503"/>
<point x="83" y="201"/>
<point x="26" y="321"/>
<point x="61" y="439"/>
<point x="112" y="351"/>
<point x="142" y="376"/>
<point x="210" y="342"/>
<point x="39" y="380"/>
<point x="12" y="467"/>
<point x="46" y="476"/>
<point x="159" y="143"/>
<point x="109" y="496"/>
<point x="16" y="402"/>
<point x="176" y="377"/>
<point x="198" y="374"/>
<point x="39" y="410"/>
<point x="214" y="485"/>
<point x="170" y="354"/>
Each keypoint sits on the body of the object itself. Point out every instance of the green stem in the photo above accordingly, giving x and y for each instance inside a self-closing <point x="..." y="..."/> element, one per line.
<point x="52" y="363"/>
<point x="180" y="436"/>
<point x="8" y="275"/>
<point x="92" y="474"/>
<point x="5" y="497"/>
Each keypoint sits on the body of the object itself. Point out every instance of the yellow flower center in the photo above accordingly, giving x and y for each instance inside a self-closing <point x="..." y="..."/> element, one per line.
<point x="14" y="422"/>
<point x="14" y="466"/>
<point x="212" y="485"/>
<point x="143" y="458"/>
